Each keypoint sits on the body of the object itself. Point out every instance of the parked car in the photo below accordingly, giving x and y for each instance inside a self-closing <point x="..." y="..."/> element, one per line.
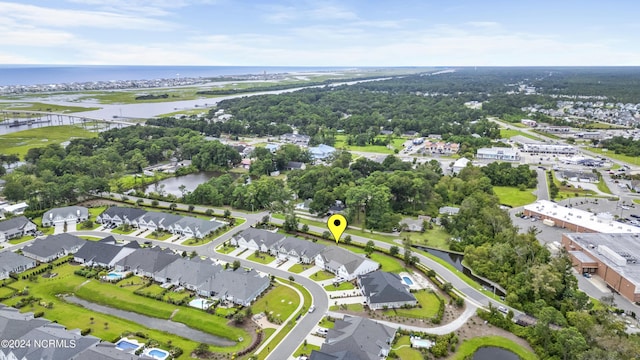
<point x="503" y="309"/>
<point x="312" y="308"/>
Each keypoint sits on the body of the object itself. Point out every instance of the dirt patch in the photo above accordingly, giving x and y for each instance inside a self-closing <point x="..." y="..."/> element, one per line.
<point x="98" y="203"/>
<point x="451" y="312"/>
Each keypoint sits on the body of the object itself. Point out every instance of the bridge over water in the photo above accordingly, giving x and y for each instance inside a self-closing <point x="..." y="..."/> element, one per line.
<point x="19" y="118"/>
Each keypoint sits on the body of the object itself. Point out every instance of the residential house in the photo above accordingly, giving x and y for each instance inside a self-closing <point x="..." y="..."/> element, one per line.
<point x="53" y="247"/>
<point x="152" y="220"/>
<point x="321" y="151"/>
<point x="449" y="210"/>
<point x="344" y="263"/>
<point x="385" y="290"/>
<point x="298" y="139"/>
<point x="190" y="273"/>
<point x="356" y="338"/>
<point x="194" y="227"/>
<point x="295" y="165"/>
<point x="11" y="262"/>
<point x="240" y="287"/>
<point x="441" y="147"/>
<point x="412" y="224"/>
<point x="15" y="209"/>
<point x="104" y="253"/>
<point x="65" y="214"/>
<point x="304" y="205"/>
<point x="302" y="251"/>
<point x="147" y="262"/>
<point x="272" y="147"/>
<point x="460" y="164"/>
<point x="120" y="215"/>
<point x="16" y="227"/>
<point x="257" y="239"/>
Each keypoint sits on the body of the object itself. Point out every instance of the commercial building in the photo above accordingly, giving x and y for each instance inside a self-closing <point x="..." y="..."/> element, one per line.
<point x="498" y="153"/>
<point x="613" y="257"/>
<point x="578" y="220"/>
<point x="549" y="149"/>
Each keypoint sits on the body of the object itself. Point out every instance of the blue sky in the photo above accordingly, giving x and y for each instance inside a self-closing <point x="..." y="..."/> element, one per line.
<point x="320" y="33"/>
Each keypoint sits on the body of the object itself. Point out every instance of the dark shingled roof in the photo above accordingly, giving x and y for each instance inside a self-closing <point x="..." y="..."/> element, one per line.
<point x="52" y="244"/>
<point x="384" y="287"/>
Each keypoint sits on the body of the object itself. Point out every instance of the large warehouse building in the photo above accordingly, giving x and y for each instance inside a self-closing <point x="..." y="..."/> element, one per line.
<point x="613" y="257"/>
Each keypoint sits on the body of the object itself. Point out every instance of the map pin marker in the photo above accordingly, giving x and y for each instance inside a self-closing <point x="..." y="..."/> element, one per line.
<point x="337" y="225"/>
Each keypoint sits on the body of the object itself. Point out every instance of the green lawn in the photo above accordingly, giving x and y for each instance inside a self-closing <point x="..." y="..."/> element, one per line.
<point x="429" y="305"/>
<point x="133" y="281"/>
<point x="90" y="238"/>
<point x="21" y="141"/>
<point x="262" y="258"/>
<point x="5" y="291"/>
<point x="396" y="145"/>
<point x="436" y="237"/>
<point x="566" y="192"/>
<point x="305" y="350"/>
<point x="21" y="239"/>
<point x="402" y="347"/>
<point x="602" y="185"/>
<point x="73" y="316"/>
<point x="325" y="323"/>
<point x="508" y="133"/>
<point x="470" y="346"/>
<point x="634" y="160"/>
<point x="322" y="275"/>
<point x="36" y="106"/>
<point x="120" y="230"/>
<point x="153" y="290"/>
<point x="280" y="301"/>
<point x="298" y="268"/>
<point x="637" y="201"/>
<point x="223" y="249"/>
<point x="95" y="211"/>
<point x="349" y="307"/>
<point x="512" y="196"/>
<point x="161" y="236"/>
<point x="45" y="230"/>
<point x="343" y="286"/>
<point x="177" y="296"/>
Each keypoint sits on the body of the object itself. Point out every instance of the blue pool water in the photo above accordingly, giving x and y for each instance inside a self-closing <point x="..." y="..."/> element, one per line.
<point x="158" y="354"/>
<point x="125" y="345"/>
<point x="407" y="280"/>
<point x="114" y="276"/>
<point x="200" y="303"/>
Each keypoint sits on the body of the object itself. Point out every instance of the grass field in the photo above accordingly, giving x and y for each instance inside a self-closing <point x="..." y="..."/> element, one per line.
<point x="567" y="192"/>
<point x="5" y="291"/>
<point x="402" y="347"/>
<point x="222" y="249"/>
<point x="350" y="307"/>
<point x="468" y="347"/>
<point x="305" y="350"/>
<point x="298" y="268"/>
<point x="396" y="144"/>
<point x="512" y="196"/>
<point x="36" y="106"/>
<point x="21" y="239"/>
<point x="602" y="185"/>
<point x="322" y="275"/>
<point x="73" y="316"/>
<point x="429" y="305"/>
<point x="280" y="301"/>
<point x="343" y="286"/>
<point x="90" y="238"/>
<point x="120" y="230"/>
<point x="262" y="258"/>
<point x="159" y="236"/>
<point x="21" y="141"/>
<point x="634" y="160"/>
<point x="325" y="323"/>
<point x="508" y="133"/>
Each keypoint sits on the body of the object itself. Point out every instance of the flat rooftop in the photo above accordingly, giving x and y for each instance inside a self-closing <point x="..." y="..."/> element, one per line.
<point x="602" y="222"/>
<point x="626" y="245"/>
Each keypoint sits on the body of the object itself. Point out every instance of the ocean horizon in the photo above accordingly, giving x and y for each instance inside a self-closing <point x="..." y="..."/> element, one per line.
<point x="16" y="74"/>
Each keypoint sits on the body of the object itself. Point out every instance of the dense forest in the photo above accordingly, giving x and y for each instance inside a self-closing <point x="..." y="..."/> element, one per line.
<point x="622" y="145"/>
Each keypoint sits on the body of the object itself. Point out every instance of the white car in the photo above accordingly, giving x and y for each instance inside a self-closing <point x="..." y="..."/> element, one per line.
<point x="312" y="308"/>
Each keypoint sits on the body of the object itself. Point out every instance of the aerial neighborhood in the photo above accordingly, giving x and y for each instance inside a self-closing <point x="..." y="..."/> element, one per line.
<point x="351" y="214"/>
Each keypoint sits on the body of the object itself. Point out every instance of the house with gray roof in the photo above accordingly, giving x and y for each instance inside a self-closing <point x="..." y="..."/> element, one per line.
<point x="449" y="210"/>
<point x="240" y="287"/>
<point x="103" y="253"/>
<point x="257" y="239"/>
<point x="16" y="227"/>
<point x="356" y="338"/>
<point x="194" y="227"/>
<point x="344" y="263"/>
<point x="120" y="215"/>
<point x="189" y="273"/>
<point x="385" y="290"/>
<point x="53" y="247"/>
<point x="147" y="262"/>
<point x="302" y="251"/>
<point x="11" y="262"/>
<point x="69" y="344"/>
<point x="157" y="221"/>
<point x="65" y="214"/>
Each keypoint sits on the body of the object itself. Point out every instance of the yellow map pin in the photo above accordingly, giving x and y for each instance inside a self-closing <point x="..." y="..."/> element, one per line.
<point x="337" y="224"/>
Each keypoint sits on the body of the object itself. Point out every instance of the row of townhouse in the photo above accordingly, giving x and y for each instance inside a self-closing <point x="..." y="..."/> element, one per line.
<point x="175" y="224"/>
<point x="16" y="227"/>
<point x="334" y="259"/>
<point x="441" y="147"/>
<point x="49" y="340"/>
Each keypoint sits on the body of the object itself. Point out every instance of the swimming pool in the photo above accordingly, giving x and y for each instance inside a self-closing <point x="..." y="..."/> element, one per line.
<point x="407" y="280"/>
<point x="128" y="345"/>
<point x="157" y="353"/>
<point x="114" y="276"/>
<point x="200" y="303"/>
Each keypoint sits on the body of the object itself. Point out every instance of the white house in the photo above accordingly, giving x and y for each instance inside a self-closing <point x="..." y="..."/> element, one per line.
<point x="344" y="264"/>
<point x="257" y="239"/>
<point x="460" y="164"/>
<point x="65" y="214"/>
<point x="16" y="227"/>
<point x="385" y="290"/>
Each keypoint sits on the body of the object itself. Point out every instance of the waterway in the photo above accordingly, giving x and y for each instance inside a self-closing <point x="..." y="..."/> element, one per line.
<point x="494" y="353"/>
<point x="172" y="185"/>
<point x="455" y="260"/>
<point x="169" y="326"/>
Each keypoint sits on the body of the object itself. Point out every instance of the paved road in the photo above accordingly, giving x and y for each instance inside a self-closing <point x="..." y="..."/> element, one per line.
<point x="542" y="191"/>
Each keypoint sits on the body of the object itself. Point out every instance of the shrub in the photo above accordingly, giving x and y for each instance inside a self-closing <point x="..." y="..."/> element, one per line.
<point x="85" y="332"/>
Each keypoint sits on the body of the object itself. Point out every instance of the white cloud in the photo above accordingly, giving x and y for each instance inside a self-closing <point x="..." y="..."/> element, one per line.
<point x="68" y="18"/>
